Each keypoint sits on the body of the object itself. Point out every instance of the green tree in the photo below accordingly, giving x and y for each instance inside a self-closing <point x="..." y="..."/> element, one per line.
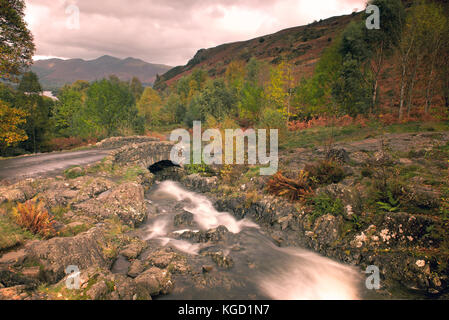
<point x="16" y="41"/>
<point x="109" y="107"/>
<point x="251" y="101"/>
<point x="215" y="100"/>
<point x="30" y="83"/>
<point x="67" y="114"/>
<point x="136" y="88"/>
<point x="38" y="111"/>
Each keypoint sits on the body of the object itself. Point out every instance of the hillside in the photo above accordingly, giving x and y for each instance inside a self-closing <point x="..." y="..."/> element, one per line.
<point x="54" y="73"/>
<point x="301" y="46"/>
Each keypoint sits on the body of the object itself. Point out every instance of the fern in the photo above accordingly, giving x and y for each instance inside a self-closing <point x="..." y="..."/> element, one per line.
<point x="392" y="204"/>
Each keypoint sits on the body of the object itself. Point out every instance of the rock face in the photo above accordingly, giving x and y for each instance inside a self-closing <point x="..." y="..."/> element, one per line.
<point x="326" y="229"/>
<point x="125" y="201"/>
<point x="199" y="183"/>
<point x="55" y="255"/>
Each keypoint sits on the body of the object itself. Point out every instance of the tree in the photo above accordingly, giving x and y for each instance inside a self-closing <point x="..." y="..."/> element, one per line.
<point x="16" y="41"/>
<point x="68" y="110"/>
<point x="30" y="83"/>
<point x="149" y="106"/>
<point x="38" y="111"/>
<point x="420" y="46"/>
<point x="174" y="109"/>
<point x="136" y="88"/>
<point x="214" y="100"/>
<point x="251" y="101"/>
<point x="109" y="108"/>
<point x="11" y="120"/>
<point x="433" y="31"/>
<point x="382" y="41"/>
<point x="235" y="75"/>
<point x="351" y="89"/>
<point x="280" y="88"/>
<point x="443" y="65"/>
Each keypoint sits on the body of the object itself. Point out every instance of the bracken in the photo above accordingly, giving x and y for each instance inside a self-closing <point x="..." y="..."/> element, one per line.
<point x="33" y="216"/>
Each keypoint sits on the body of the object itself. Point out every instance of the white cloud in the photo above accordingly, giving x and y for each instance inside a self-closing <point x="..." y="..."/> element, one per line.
<point x="164" y="31"/>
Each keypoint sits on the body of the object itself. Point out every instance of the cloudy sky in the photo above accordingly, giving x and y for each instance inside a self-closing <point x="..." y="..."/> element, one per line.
<point x="164" y="31"/>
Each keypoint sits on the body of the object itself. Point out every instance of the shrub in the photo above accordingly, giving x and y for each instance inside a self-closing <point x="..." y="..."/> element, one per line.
<point x="293" y="189"/>
<point x="202" y="169"/>
<point x="33" y="216"/>
<point x="325" y="172"/>
<point x="324" y="204"/>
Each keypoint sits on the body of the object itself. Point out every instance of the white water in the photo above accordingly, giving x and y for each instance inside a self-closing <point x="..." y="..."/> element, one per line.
<point x="310" y="276"/>
<point x="280" y="273"/>
<point x="203" y="211"/>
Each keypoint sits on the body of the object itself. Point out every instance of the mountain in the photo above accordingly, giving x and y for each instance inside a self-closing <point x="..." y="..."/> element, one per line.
<point x="54" y="73"/>
<point x="302" y="46"/>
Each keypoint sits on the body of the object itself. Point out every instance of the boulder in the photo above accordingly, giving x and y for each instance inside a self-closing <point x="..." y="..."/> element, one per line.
<point x="162" y="258"/>
<point x="154" y="281"/>
<point x="338" y="155"/>
<point x="55" y="255"/>
<point x="133" y="250"/>
<point x="136" y="268"/>
<point x="221" y="259"/>
<point x="184" y="219"/>
<point x="11" y="194"/>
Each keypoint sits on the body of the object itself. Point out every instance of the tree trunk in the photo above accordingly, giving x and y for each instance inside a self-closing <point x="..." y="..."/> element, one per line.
<point x="412" y="85"/>
<point x="401" y="95"/>
<point x="429" y="89"/>
<point x="376" y="77"/>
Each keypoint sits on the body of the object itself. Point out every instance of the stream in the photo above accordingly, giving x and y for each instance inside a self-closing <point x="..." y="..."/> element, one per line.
<point x="252" y="266"/>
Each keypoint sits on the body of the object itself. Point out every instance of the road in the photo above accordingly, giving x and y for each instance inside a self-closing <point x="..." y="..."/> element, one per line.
<point x="47" y="163"/>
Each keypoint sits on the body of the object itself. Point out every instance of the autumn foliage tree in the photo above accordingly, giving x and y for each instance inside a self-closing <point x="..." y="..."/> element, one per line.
<point x="11" y="120"/>
<point x="16" y="41"/>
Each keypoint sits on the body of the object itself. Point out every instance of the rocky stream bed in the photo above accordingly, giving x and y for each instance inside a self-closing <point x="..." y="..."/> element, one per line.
<point x="174" y="235"/>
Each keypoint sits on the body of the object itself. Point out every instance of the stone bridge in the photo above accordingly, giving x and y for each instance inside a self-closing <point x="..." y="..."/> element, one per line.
<point x="144" y="154"/>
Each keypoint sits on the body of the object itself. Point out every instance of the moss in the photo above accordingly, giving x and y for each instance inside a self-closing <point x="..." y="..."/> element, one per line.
<point x="70" y="173"/>
<point x="73" y="231"/>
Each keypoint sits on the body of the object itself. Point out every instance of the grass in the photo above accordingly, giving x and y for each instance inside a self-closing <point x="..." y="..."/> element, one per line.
<point x="132" y="173"/>
<point x="321" y="135"/>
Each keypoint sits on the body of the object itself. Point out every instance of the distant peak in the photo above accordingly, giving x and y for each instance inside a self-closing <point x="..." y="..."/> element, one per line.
<point x="107" y="57"/>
